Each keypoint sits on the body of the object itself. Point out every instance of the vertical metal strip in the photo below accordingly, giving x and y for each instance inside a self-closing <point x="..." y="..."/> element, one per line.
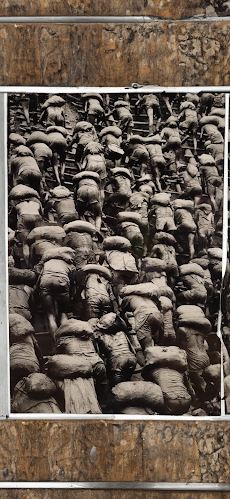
<point x="225" y="193"/>
<point x="4" y="335"/>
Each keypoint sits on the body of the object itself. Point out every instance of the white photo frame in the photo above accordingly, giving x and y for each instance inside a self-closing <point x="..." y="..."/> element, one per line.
<point x="4" y="352"/>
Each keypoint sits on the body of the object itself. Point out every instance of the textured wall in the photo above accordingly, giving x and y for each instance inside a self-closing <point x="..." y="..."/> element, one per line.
<point x="109" y="494"/>
<point x="161" y="8"/>
<point x="159" y="53"/>
<point x="159" y="451"/>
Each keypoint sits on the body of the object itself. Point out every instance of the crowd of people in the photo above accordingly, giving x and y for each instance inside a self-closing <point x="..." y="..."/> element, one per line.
<point x="225" y="308"/>
<point x="115" y="252"/>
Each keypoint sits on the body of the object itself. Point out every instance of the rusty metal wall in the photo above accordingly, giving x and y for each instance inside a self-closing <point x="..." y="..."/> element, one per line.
<point x="168" y="52"/>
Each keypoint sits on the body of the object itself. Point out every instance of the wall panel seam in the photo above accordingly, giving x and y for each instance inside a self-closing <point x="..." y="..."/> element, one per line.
<point x="158" y="486"/>
<point x="107" y="19"/>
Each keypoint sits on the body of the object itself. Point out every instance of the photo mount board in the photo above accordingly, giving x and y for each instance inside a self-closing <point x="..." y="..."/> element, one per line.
<point x="149" y="89"/>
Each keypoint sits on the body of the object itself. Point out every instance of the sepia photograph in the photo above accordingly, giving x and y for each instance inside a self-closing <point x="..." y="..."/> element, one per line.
<point x="115" y="227"/>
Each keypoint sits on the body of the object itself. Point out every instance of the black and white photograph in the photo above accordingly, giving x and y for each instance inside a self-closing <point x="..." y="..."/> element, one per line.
<point x="115" y="227"/>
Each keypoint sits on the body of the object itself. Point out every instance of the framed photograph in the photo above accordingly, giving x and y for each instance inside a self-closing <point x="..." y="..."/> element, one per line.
<point x="117" y="241"/>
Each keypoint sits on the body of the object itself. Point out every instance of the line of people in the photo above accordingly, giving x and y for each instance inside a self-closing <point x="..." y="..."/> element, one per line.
<point x="225" y="308"/>
<point x="125" y="260"/>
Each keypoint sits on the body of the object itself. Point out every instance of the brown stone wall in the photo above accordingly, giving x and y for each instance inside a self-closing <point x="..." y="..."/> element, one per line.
<point x="85" y="451"/>
<point x="157" y="53"/>
<point x="174" y="9"/>
<point x="107" y="494"/>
